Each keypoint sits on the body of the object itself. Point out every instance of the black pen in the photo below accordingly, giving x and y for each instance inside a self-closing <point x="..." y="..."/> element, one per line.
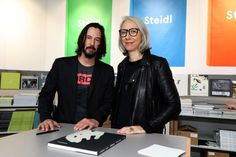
<point x="45" y="132"/>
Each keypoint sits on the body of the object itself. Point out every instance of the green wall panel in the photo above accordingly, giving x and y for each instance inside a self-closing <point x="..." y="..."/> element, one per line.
<point x="81" y="12"/>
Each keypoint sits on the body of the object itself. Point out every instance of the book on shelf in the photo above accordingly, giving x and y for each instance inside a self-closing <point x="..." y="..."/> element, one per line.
<point x="36" y="120"/>
<point x="181" y="82"/>
<point x="10" y="80"/>
<point x="211" y="153"/>
<point x="42" y="79"/>
<point x="87" y="141"/>
<point x="173" y="127"/>
<point x="5" y="117"/>
<point x="220" y="87"/>
<point x="203" y="106"/>
<point x="6" y="101"/>
<point x="29" y="82"/>
<point x="25" y="99"/>
<point x="186" y="102"/>
<point x="229" y="112"/>
<point x="199" y="85"/>
<point x="21" y="121"/>
<point x="186" y="106"/>
<point x="234" y="88"/>
<point x="13" y="121"/>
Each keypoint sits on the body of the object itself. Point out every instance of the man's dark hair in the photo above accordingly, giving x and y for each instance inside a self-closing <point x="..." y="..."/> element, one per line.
<point x="81" y="40"/>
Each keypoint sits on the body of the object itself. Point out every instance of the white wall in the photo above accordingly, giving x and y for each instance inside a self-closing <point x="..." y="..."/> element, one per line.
<point x="119" y="8"/>
<point x="55" y="41"/>
<point x="33" y="35"/>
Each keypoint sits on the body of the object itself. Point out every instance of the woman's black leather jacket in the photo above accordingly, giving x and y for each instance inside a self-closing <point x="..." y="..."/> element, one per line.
<point x="154" y="95"/>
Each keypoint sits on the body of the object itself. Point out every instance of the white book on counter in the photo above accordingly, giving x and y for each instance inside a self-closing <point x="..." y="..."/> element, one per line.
<point x="157" y="150"/>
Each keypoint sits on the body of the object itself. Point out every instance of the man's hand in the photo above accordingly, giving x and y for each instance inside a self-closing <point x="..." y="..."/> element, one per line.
<point x="86" y="124"/>
<point x="131" y="130"/>
<point x="48" y="124"/>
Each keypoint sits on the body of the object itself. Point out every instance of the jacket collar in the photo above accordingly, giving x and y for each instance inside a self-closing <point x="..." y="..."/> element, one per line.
<point x="145" y="59"/>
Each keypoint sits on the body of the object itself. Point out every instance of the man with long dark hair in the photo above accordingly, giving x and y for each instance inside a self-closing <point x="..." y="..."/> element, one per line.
<point x="83" y="83"/>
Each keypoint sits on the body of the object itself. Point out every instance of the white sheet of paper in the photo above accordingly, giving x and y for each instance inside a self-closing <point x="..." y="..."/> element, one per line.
<point x="156" y="150"/>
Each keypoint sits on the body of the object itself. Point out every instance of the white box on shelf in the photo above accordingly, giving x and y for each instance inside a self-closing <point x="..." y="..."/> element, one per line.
<point x="228" y="139"/>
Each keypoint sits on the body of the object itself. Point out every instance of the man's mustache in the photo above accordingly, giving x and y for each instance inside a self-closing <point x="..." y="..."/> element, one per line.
<point x="90" y="47"/>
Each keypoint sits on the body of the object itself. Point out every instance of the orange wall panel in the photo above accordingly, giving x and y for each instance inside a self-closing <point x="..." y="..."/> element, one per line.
<point x="221" y="46"/>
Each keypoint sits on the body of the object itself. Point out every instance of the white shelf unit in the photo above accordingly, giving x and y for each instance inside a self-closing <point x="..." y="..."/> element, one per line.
<point x="41" y="76"/>
<point x="208" y="124"/>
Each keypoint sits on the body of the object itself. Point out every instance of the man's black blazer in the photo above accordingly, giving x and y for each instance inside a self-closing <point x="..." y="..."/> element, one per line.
<point x="62" y="79"/>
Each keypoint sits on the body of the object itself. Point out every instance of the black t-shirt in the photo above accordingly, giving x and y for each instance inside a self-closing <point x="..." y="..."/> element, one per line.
<point x="125" y="107"/>
<point x="84" y="76"/>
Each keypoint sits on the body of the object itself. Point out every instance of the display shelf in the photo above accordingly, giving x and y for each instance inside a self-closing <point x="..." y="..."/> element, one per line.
<point x="15" y="120"/>
<point x="211" y="99"/>
<point x="209" y="118"/>
<point x="206" y="138"/>
<point x="18" y="108"/>
<point x="202" y="148"/>
<point x="11" y="92"/>
<point x="207" y="125"/>
<point x="208" y="122"/>
<point x="20" y="111"/>
<point x="215" y="117"/>
<point x="20" y="93"/>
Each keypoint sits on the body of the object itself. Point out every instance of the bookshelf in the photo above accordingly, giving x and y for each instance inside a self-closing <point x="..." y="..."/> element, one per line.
<point x="207" y="122"/>
<point x="207" y="125"/>
<point x="18" y="105"/>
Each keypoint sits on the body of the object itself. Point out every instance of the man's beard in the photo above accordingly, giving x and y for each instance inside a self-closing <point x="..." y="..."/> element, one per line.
<point x="90" y="52"/>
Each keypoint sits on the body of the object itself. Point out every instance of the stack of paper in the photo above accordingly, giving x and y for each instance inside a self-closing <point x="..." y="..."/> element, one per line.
<point x="186" y="106"/>
<point x="228" y="139"/>
<point x="156" y="150"/>
<point x="203" y="108"/>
